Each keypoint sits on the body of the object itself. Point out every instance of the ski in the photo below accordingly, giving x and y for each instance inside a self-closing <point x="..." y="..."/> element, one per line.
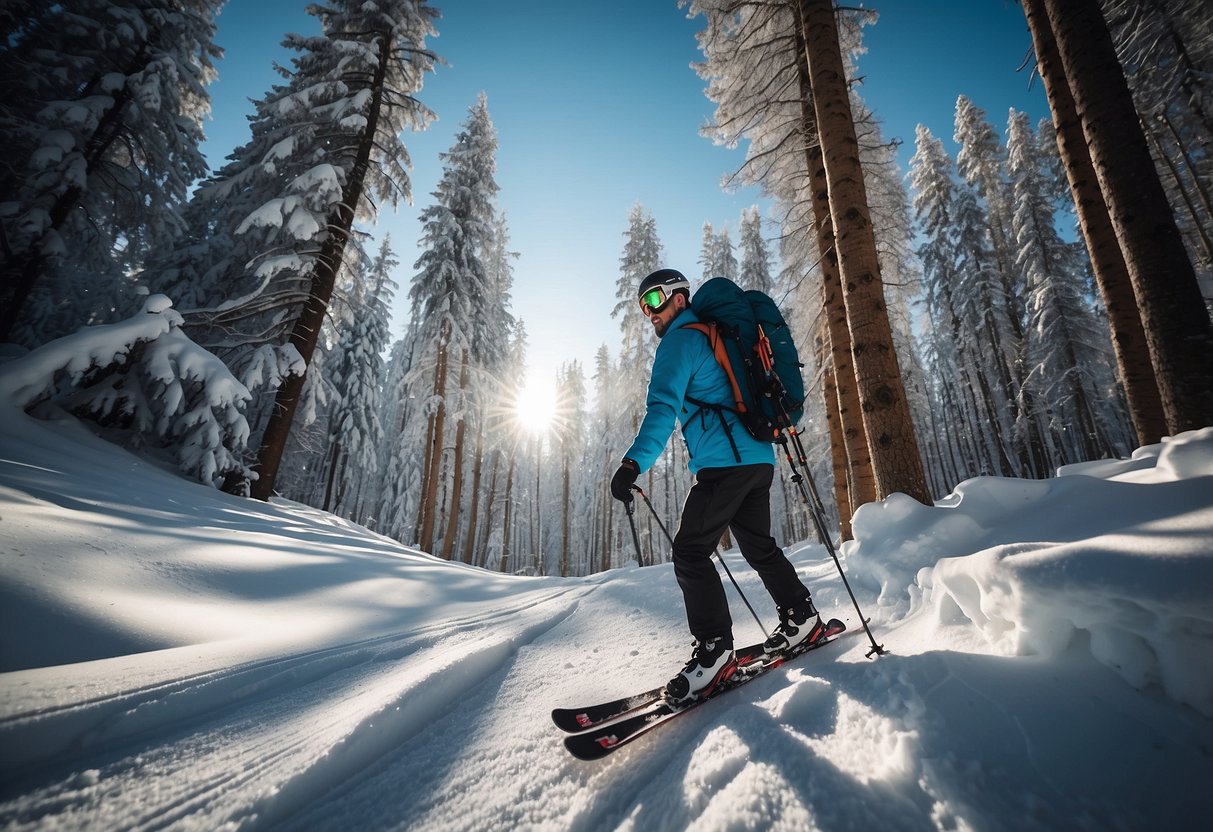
<point x="575" y="720"/>
<point x="599" y="739"/>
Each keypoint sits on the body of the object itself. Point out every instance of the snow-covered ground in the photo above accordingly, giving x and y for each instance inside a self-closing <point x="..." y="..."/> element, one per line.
<point x="177" y="658"/>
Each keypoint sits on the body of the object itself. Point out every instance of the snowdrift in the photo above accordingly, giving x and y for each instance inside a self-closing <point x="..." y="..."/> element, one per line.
<point x="176" y="657"/>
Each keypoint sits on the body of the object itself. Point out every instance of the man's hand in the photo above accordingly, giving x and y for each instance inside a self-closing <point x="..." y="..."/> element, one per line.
<point x="625" y="477"/>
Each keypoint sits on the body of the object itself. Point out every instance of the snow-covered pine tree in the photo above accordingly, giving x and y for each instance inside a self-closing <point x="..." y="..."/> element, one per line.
<point x="603" y="453"/>
<point x="755" y="267"/>
<point x="101" y="111"/>
<point x="1174" y="317"/>
<point x="403" y="429"/>
<point x="355" y="83"/>
<point x="981" y="161"/>
<point x="642" y="254"/>
<point x="1069" y="358"/>
<point x="451" y="292"/>
<point x="142" y="375"/>
<point x="1166" y="50"/>
<point x="953" y="421"/>
<point x="489" y="388"/>
<point x="356" y="371"/>
<point x="1107" y="259"/>
<point x="716" y="254"/>
<point x="896" y="459"/>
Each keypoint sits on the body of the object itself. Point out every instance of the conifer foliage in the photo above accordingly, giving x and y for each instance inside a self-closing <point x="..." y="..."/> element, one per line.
<point x="101" y="111"/>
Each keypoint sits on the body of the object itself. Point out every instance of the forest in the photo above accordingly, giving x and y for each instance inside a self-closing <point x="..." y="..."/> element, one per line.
<point x="1040" y="299"/>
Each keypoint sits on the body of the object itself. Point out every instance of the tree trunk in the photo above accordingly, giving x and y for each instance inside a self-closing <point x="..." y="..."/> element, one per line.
<point x="427" y="510"/>
<point x="452" y="518"/>
<point x="896" y="461"/>
<point x="838" y="457"/>
<point x="1173" y="313"/>
<point x="509" y="505"/>
<point x="1111" y="274"/>
<point x="859" y="481"/>
<point x="564" y="529"/>
<point x="306" y="330"/>
<point x="334" y="455"/>
<point x="469" y="542"/>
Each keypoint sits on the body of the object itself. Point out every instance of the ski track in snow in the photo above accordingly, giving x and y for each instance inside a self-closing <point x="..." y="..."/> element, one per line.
<point x="266" y="738"/>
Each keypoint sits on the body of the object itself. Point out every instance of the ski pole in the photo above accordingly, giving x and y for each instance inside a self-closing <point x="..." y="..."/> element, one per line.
<point x="717" y="553"/>
<point x="777" y="393"/>
<point x="631" y="509"/>
<point x="817" y="513"/>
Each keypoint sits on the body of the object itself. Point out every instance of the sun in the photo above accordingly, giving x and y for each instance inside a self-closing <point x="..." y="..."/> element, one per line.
<point x="535" y="407"/>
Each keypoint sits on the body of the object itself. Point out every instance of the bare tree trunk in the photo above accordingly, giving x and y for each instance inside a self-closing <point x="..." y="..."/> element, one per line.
<point x="469" y="541"/>
<point x="1111" y="274"/>
<point x="896" y="461"/>
<point x="306" y="330"/>
<point x="334" y="455"/>
<point x="509" y="505"/>
<point x="452" y="519"/>
<point x="428" y="509"/>
<point x="1173" y="313"/>
<point x="838" y="457"/>
<point x="564" y="530"/>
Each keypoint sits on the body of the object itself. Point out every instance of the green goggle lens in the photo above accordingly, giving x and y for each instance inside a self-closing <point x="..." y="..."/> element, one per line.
<point x="653" y="299"/>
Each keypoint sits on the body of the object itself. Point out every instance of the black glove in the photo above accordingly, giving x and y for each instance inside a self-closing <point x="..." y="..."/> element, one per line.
<point x="621" y="483"/>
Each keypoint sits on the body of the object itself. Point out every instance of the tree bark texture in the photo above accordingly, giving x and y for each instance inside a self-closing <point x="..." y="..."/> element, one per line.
<point x="453" y="514"/>
<point x="1173" y="313"/>
<point x="1111" y="274"/>
<point x="896" y="461"/>
<point x="859" y="481"/>
<point x="306" y="331"/>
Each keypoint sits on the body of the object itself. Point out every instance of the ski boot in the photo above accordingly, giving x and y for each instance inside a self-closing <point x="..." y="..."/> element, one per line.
<point x="799" y="627"/>
<point x="712" y="663"/>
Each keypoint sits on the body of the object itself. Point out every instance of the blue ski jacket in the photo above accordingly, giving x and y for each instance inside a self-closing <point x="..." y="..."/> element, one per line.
<point x="684" y="368"/>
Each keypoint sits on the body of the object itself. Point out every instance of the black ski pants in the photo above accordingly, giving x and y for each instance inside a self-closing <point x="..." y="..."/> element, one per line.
<point x="738" y="498"/>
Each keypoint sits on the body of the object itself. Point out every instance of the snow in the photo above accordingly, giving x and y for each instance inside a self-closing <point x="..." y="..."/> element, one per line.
<point x="176" y="657"/>
<point x="24" y="380"/>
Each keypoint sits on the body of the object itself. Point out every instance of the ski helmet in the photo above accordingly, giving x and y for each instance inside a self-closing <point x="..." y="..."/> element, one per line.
<point x="665" y="282"/>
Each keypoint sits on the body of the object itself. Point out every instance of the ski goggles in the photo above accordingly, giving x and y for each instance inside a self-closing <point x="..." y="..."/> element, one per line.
<point x="655" y="299"/>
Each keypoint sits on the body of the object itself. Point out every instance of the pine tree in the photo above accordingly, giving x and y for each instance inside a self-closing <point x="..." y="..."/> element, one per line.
<point x="716" y="255"/>
<point x="451" y="292"/>
<point x="1069" y="355"/>
<point x="755" y="270"/>
<point x="354" y="83"/>
<point x="895" y="456"/>
<point x="1166" y="50"/>
<point x="1176" y="323"/>
<point x="1107" y="259"/>
<point x="142" y="374"/>
<point x="101" y="111"/>
<point x="356" y="370"/>
<point x="642" y="254"/>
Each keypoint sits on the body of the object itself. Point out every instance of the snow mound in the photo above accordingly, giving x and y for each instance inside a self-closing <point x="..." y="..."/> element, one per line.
<point x="1038" y="566"/>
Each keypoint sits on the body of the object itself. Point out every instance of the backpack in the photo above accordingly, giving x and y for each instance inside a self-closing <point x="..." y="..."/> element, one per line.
<point x="752" y="343"/>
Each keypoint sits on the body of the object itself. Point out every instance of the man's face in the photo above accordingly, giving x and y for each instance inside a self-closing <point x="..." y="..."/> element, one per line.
<point x="661" y="320"/>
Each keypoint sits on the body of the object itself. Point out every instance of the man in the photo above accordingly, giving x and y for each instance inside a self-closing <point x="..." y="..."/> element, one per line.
<point x="733" y="474"/>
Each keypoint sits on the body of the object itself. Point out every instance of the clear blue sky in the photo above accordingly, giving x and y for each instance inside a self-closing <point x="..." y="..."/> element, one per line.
<point x="597" y="107"/>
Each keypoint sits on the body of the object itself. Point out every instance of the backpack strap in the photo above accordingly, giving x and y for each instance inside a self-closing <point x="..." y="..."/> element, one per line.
<point x="716" y="343"/>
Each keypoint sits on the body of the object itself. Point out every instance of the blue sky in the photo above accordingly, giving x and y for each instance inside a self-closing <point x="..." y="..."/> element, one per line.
<point x="597" y="107"/>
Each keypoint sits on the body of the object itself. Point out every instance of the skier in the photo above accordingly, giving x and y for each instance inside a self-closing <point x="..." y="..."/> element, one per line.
<point x="733" y="474"/>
